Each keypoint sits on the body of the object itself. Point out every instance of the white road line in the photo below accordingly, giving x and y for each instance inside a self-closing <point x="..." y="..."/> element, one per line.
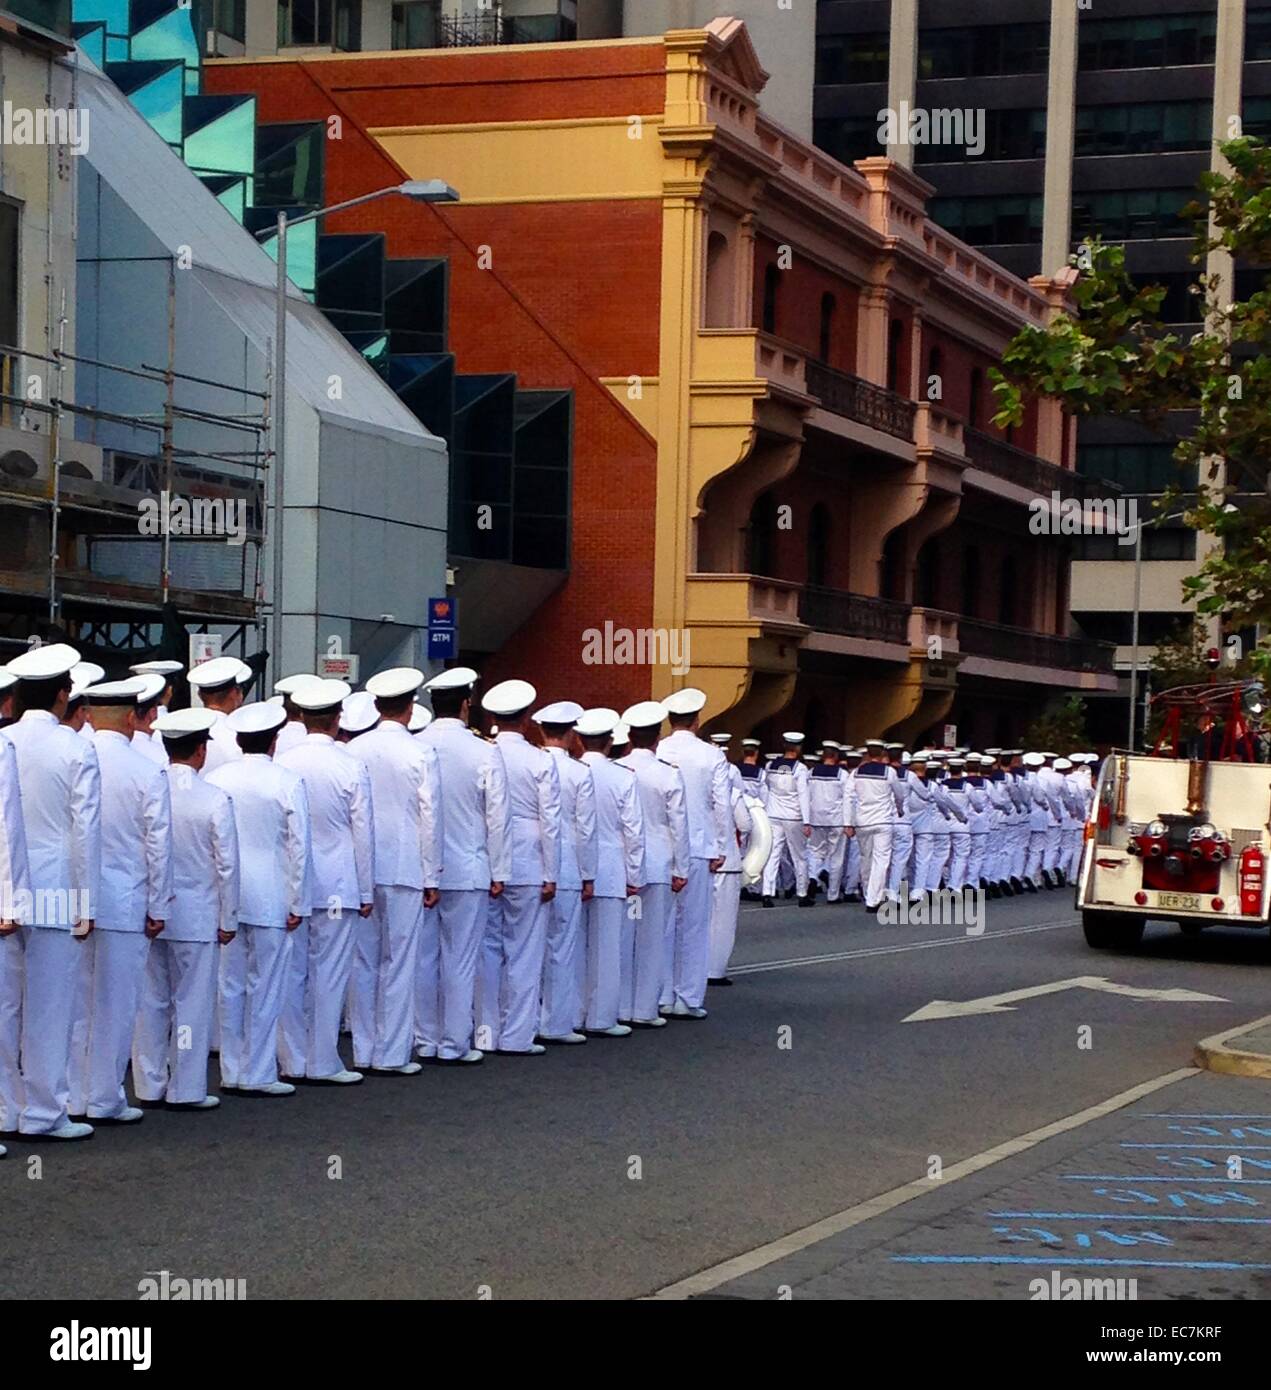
<point x="751" y="1260"/>
<point x="795" y="961"/>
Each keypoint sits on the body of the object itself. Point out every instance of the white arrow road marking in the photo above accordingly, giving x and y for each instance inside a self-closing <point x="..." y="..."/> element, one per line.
<point x="1005" y="1003"/>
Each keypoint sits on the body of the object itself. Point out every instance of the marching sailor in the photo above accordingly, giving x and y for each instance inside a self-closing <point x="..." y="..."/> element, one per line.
<point x="708" y="805"/>
<point x="875" y="805"/>
<point x="650" y="918"/>
<point x="726" y="902"/>
<point x="59" y="781"/>
<point x="342" y="876"/>
<point x="169" y="670"/>
<point x="145" y="740"/>
<point x="786" y="785"/>
<point x="271" y="818"/>
<point x="902" y="832"/>
<point x="405" y="779"/>
<point x="475" y="860"/>
<point x="1039" y="819"/>
<point x="16" y="909"/>
<point x="217" y="684"/>
<point x="828" y="790"/>
<point x="619" y="871"/>
<point x="134" y="901"/>
<point x="516" y="930"/>
<point x="293" y="731"/>
<point x="174" y="1019"/>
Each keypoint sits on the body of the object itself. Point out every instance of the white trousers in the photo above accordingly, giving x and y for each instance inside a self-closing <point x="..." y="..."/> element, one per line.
<point x="938" y="858"/>
<point x="173" y="1034"/>
<point x="564" y="957"/>
<point x="852" y="868"/>
<point x="725" y="907"/>
<point x="920" y="865"/>
<point x="605" y="918"/>
<point x="461" y="917"/>
<point x="828" y="845"/>
<point x="39" y="975"/>
<point x="1070" y="851"/>
<point x="254" y="975"/>
<point x="383" y="979"/>
<point x="1036" y="860"/>
<point x="902" y="849"/>
<point x="293" y="1030"/>
<point x="331" y="942"/>
<point x="644" y="928"/>
<point x="111" y="971"/>
<point x="1021" y="836"/>
<point x="875" y="841"/>
<point x="1050" y="860"/>
<point x="788" y="846"/>
<point x="512" y="969"/>
<point x="688" y="940"/>
<point x="977" y="863"/>
<point x="959" y="857"/>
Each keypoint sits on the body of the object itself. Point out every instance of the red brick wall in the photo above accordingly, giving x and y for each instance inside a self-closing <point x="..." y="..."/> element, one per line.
<point x="799" y="295"/>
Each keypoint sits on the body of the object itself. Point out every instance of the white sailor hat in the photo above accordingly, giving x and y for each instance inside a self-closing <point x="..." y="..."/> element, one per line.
<point x="153" y="685"/>
<point x="722" y="739"/>
<point x="1050" y="755"/>
<point x="906" y="757"/>
<point x="562" y="712"/>
<point x="245" y="673"/>
<point x="1062" y="765"/>
<point x="992" y="752"/>
<point x="220" y="670"/>
<point x="123" y="692"/>
<point x="621" y="734"/>
<point x="596" y="723"/>
<point x="687" y="701"/>
<point x="359" y="713"/>
<point x="647" y="714"/>
<point x="894" y="747"/>
<point x="7" y="678"/>
<point x="874" y="743"/>
<point x="276" y="700"/>
<point x="319" y="694"/>
<point x="86" y="673"/>
<point x="182" y="723"/>
<point x="509" y="698"/>
<point x="258" y="717"/>
<point x="420" y="718"/>
<point x="810" y="758"/>
<point x="44" y="663"/>
<point x="830" y="743"/>
<point x="392" y="685"/>
<point x="923" y="755"/>
<point x="957" y="762"/>
<point x="792" y="736"/>
<point x="289" y="683"/>
<point x="853" y="752"/>
<point x="750" y="743"/>
<point x="456" y="678"/>
<point x="156" y="668"/>
<point x="1034" y="759"/>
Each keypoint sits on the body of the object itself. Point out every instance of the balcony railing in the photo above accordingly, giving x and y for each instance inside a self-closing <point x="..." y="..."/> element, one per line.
<point x="1018" y="466"/>
<point x="480" y="31"/>
<point x="1028" y="648"/>
<point x="855" y="615"/>
<point x="861" y="401"/>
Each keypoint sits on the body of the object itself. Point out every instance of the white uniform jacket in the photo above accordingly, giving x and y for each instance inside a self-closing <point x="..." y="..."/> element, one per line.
<point x="271" y="816"/>
<point x="15" y="870"/>
<point x="707" y="794"/>
<point x="666" y="843"/>
<point x="877" y="795"/>
<point x="136" y="819"/>
<point x="476" y="837"/>
<point x="577" y="821"/>
<point x="786" y="783"/>
<point x="827" y="795"/>
<point x="533" y="810"/>
<point x="222" y="744"/>
<point x="204" y="859"/>
<point x="405" y="781"/>
<point x="619" y="827"/>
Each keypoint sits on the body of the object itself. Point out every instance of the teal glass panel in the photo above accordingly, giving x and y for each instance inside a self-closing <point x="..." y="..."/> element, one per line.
<point x="170" y="36"/>
<point x="302" y="255"/>
<point x="116" y="49"/>
<point x="93" y="44"/>
<point x="159" y="101"/>
<point x="226" y="144"/>
<point x="113" y="12"/>
<point x="234" y="198"/>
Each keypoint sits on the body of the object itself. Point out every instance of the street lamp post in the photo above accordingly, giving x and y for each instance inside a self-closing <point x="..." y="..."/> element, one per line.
<point x="419" y="191"/>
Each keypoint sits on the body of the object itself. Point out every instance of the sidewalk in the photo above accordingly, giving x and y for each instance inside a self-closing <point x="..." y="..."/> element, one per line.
<point x="1252" y="1056"/>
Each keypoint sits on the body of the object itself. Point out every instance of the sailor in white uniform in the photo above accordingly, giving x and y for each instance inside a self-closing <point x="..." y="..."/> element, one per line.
<point x="217" y="684"/>
<point x="619" y="871"/>
<point x="960" y="793"/>
<point x="475" y="860"/>
<point x="133" y="904"/>
<point x="512" y="953"/>
<point x="78" y="715"/>
<point x="827" y="796"/>
<point x="59" y="782"/>
<point x="726" y="885"/>
<point x="565" y="954"/>
<point x="1052" y="783"/>
<point x="271" y="817"/>
<point x="709" y="807"/>
<point x="174" y="1020"/>
<point x="145" y="740"/>
<point x="902" y="833"/>
<point x="16" y="908"/>
<point x="979" y="822"/>
<point x="667" y="852"/>
<point x="169" y="670"/>
<point x="1040" y="815"/>
<point x="293" y="731"/>
<point x="342" y="878"/>
<point x="877" y="799"/>
<point x="406" y="794"/>
<point x="786" y="786"/>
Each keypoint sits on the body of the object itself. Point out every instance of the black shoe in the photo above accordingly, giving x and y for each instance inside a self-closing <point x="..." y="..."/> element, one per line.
<point x="993" y="891"/>
<point x="807" y="900"/>
<point x="1030" y="886"/>
<point x="1017" y="884"/>
<point x="852" y="898"/>
<point x="768" y="902"/>
<point x="1060" y="878"/>
<point x="1006" y="888"/>
<point x="723" y="982"/>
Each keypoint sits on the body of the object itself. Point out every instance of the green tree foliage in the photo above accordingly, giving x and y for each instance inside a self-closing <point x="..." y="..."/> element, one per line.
<point x="1061" y="730"/>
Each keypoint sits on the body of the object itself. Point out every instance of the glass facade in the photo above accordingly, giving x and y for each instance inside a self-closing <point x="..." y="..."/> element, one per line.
<point x="415" y="24"/>
<point x="1140" y="215"/>
<point x="1180" y="40"/>
<point x="851" y="58"/>
<point x="1144" y="128"/>
<point x="1007" y="135"/>
<point x="995" y="220"/>
<point x="987" y="50"/>
<point x="320" y="24"/>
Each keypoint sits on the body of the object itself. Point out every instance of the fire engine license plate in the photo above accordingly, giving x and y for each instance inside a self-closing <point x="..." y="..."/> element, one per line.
<point x="1180" y="902"/>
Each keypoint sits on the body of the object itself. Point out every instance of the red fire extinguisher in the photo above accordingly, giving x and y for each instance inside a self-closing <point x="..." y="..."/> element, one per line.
<point x="1252" y="872"/>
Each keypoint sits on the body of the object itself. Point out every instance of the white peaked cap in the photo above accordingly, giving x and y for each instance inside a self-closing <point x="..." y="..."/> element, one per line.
<point x="1034" y="759"/>
<point x="392" y="685"/>
<point x="420" y="718"/>
<point x="221" y="670"/>
<point x="275" y="700"/>
<point x="721" y="739"/>
<point x="457" y="678"/>
<point x="621" y="734"/>
<point x="156" y="668"/>
<point x="1062" y="765"/>
<point x="115" y="692"/>
<point x="181" y="722"/>
<point x="508" y="698"/>
<point x="7" y="678"/>
<point x="259" y="717"/>
<point x="648" y="714"/>
<point x="290" y="683"/>
<point x="562" y="712"/>
<point x="793" y="736"/>
<point x="88" y="673"/>
<point x="152" y="686"/>
<point x="595" y="723"/>
<point x="321" y="694"/>
<point x="690" y="700"/>
<point x="44" y="663"/>
<point x="751" y="743"/>
<point x="359" y="713"/>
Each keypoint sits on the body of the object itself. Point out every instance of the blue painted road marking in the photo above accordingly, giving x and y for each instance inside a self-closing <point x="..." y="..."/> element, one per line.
<point x="1101" y="1262"/>
<point x="1129" y="1216"/>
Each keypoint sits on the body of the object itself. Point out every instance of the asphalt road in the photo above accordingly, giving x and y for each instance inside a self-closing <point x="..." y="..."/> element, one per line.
<point x="620" y="1168"/>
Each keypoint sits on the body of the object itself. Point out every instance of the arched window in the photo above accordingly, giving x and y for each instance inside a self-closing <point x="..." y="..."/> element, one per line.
<point x="973" y="403"/>
<point x="826" y="341"/>
<point x="971" y="581"/>
<point x="819" y="545"/>
<point x="1008" y="589"/>
<point x="894" y="549"/>
<point x="895" y="333"/>
<point x="771" y="282"/>
<point x="719" y="285"/>
<point x="761" y="534"/>
<point x="926" y="575"/>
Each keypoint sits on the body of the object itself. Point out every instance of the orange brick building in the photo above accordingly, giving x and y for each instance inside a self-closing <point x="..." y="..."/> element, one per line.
<point x="782" y="458"/>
